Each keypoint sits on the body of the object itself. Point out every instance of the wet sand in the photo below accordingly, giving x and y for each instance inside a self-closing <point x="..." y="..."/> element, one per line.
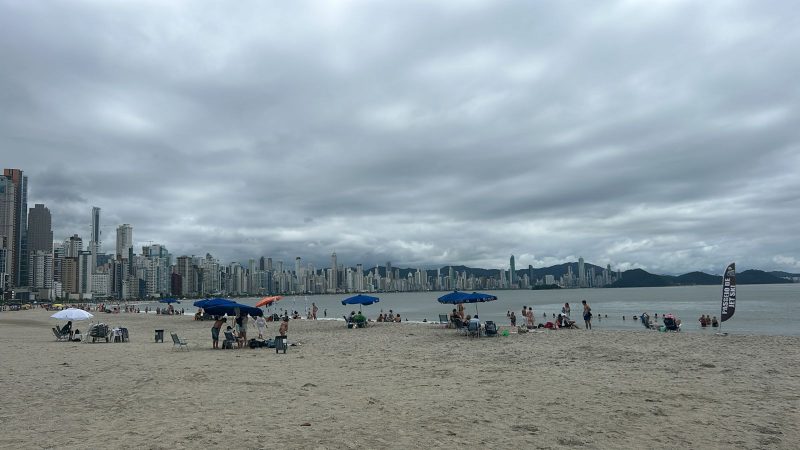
<point x="396" y="386"/>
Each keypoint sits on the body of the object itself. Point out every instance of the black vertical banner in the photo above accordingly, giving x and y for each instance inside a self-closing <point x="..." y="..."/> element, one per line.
<point x="728" y="293"/>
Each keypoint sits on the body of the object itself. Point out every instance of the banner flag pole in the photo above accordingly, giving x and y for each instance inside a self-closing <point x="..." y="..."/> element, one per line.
<point x="728" y="304"/>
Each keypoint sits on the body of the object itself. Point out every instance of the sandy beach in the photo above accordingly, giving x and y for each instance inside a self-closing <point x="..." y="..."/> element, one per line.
<point x="396" y="386"/>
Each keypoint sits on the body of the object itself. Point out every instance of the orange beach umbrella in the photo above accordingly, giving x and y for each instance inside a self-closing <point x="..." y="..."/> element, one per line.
<point x="268" y="301"/>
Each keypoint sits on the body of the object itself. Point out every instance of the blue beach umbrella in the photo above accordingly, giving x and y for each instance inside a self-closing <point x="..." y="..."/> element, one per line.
<point x="232" y="309"/>
<point x="457" y="297"/>
<point x="211" y="302"/>
<point x="360" y="299"/>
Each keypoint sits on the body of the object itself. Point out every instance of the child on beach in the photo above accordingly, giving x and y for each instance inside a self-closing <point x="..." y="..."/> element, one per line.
<point x="284" y="327"/>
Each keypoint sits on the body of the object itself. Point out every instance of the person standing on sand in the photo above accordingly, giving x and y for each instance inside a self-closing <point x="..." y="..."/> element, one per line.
<point x="529" y="318"/>
<point x="241" y="328"/>
<point x="261" y="325"/>
<point x="513" y="318"/>
<point x="565" y="309"/>
<point x="215" y="331"/>
<point x="314" y="310"/>
<point x="460" y="311"/>
<point x="587" y="315"/>
<point x="284" y="328"/>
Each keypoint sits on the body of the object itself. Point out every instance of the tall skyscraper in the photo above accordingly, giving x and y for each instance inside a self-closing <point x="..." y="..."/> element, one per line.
<point x="19" y="250"/>
<point x="94" y="240"/>
<point x="40" y="229"/>
<point x="581" y="273"/>
<point x="124" y="240"/>
<point x="333" y="283"/>
<point x="40" y="250"/>
<point x="513" y="276"/>
<point x="73" y="246"/>
<point x="7" y="240"/>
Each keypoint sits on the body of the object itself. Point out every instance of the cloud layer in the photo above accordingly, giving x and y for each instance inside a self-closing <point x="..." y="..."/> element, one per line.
<point x="659" y="135"/>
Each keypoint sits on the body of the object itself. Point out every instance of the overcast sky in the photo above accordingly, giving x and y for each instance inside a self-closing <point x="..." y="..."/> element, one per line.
<point x="654" y="134"/>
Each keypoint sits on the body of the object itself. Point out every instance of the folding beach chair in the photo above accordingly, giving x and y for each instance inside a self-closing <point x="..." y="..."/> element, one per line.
<point x="59" y="335"/>
<point x="443" y="320"/>
<point x="178" y="342"/>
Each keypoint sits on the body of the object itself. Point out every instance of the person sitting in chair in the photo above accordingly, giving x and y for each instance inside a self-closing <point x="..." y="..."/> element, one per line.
<point x="360" y="320"/>
<point x="475" y="320"/>
<point x="77" y="336"/>
<point x="67" y="329"/>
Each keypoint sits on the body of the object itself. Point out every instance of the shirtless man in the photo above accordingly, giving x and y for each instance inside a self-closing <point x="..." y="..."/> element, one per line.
<point x="215" y="331"/>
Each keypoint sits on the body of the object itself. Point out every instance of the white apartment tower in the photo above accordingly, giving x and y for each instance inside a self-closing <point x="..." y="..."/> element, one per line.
<point x="124" y="240"/>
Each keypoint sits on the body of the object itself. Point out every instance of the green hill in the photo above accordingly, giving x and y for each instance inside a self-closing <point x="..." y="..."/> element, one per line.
<point x="697" y="278"/>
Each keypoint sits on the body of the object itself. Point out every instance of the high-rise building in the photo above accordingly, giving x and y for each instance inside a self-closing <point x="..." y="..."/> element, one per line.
<point x="333" y="284"/>
<point x="40" y="250"/>
<point x="124" y="241"/>
<point x="7" y="197"/>
<point x="581" y="273"/>
<point x="19" y="249"/>
<point x="94" y="240"/>
<point x="513" y="272"/>
<point x="40" y="229"/>
<point x="73" y="246"/>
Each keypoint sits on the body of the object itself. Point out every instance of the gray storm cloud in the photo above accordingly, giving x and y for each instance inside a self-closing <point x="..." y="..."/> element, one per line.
<point x="659" y="135"/>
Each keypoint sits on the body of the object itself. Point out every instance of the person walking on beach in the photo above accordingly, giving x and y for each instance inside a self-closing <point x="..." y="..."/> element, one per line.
<point x="314" y="310"/>
<point x="215" y="331"/>
<point x="587" y="315"/>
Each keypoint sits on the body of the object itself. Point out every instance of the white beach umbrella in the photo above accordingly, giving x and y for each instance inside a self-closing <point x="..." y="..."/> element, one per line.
<point x="72" y="314"/>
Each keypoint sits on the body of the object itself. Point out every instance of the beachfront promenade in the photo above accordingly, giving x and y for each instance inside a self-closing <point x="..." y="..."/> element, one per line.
<point x="395" y="385"/>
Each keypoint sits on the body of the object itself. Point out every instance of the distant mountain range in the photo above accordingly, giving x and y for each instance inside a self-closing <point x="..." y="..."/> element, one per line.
<point x="641" y="278"/>
<point x="630" y="278"/>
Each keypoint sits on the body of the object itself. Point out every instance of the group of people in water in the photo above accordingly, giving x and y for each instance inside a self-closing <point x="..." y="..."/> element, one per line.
<point x="706" y="320"/>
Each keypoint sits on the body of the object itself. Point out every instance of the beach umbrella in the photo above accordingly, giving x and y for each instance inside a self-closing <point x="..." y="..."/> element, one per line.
<point x="453" y="298"/>
<point x="169" y="300"/>
<point x="232" y="309"/>
<point x="360" y="299"/>
<point x="268" y="301"/>
<point x="72" y="314"/>
<point x="211" y="302"/>
<point x="456" y="297"/>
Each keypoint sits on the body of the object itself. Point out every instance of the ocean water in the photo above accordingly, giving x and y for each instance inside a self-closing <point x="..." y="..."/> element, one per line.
<point x="760" y="309"/>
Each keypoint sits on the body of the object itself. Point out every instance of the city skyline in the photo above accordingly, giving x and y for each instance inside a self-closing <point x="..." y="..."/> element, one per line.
<point x="645" y="136"/>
